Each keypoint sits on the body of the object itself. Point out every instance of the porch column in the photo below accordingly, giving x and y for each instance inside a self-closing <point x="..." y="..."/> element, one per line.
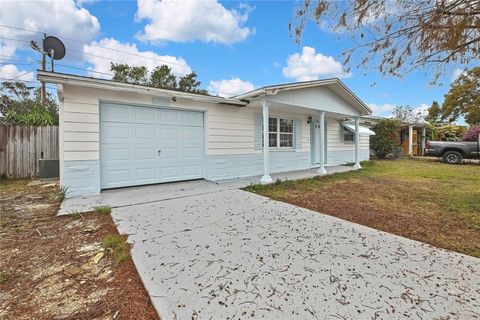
<point x="321" y="121"/>
<point x="266" y="148"/>
<point x="357" y="144"/>
<point x="424" y="139"/>
<point x="410" y="140"/>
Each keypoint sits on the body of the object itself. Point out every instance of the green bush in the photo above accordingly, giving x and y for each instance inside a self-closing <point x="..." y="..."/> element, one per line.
<point x="449" y="132"/>
<point x="386" y="139"/>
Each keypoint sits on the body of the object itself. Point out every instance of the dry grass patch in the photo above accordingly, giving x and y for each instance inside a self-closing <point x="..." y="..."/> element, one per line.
<point x="56" y="267"/>
<point x="426" y="201"/>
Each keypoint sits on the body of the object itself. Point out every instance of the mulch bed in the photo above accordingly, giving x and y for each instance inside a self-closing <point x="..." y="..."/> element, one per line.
<point x="47" y="270"/>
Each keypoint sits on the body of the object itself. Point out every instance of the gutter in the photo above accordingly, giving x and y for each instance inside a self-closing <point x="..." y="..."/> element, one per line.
<point x="65" y="79"/>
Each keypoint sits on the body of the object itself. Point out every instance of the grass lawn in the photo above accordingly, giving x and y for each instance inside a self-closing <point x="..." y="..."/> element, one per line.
<point x="422" y="200"/>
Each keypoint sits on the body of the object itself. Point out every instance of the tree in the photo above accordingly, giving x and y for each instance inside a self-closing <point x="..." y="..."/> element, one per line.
<point x="386" y="139"/>
<point x="189" y="83"/>
<point x="406" y="114"/>
<point x="463" y="98"/>
<point x="434" y="113"/>
<point x="402" y="35"/>
<point x="20" y="105"/>
<point x="160" y="77"/>
<point x="130" y="74"/>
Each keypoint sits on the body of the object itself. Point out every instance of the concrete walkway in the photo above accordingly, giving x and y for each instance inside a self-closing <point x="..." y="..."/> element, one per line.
<point x="145" y="194"/>
<point x="213" y="251"/>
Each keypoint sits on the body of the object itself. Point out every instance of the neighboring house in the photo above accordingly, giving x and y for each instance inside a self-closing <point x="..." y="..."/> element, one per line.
<point x="413" y="138"/>
<point x="117" y="135"/>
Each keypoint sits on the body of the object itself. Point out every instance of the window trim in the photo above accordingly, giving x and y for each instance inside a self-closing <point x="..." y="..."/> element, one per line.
<point x="344" y="130"/>
<point x="278" y="132"/>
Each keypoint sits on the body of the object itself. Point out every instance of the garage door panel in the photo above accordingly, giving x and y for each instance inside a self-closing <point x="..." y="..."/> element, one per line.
<point x="144" y="115"/>
<point x="146" y="133"/>
<point x="170" y="173"/>
<point x="129" y="148"/>
<point x="115" y="113"/>
<point x="120" y="132"/>
<point x="146" y="154"/>
<point x="193" y="134"/>
<point x="166" y="116"/>
<point x="192" y="118"/>
<point x="119" y="176"/>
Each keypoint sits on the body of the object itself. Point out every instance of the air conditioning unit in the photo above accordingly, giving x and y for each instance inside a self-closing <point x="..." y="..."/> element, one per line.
<point x="49" y="168"/>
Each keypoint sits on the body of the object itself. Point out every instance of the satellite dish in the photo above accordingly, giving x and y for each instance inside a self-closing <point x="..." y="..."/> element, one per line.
<point x="54" y="48"/>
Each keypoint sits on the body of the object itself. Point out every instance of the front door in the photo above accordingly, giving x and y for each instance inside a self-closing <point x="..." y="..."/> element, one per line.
<point x="315" y="142"/>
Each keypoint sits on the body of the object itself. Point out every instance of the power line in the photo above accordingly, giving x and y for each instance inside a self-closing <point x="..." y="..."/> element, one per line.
<point x="20" y="75"/>
<point x="94" y="45"/>
<point x="99" y="56"/>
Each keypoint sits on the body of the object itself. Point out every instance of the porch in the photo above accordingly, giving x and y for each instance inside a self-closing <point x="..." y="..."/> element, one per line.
<point x="320" y="141"/>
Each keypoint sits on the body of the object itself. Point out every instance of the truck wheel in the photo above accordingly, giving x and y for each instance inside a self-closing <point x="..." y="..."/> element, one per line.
<point x="452" y="157"/>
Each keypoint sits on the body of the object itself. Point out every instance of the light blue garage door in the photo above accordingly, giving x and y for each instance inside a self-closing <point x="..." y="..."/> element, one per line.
<point x="145" y="145"/>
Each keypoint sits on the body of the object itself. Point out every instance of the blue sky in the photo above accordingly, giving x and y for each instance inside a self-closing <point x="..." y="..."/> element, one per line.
<point x="233" y="46"/>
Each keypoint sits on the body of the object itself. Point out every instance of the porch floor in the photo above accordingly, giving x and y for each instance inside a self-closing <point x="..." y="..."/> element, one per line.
<point x="123" y="197"/>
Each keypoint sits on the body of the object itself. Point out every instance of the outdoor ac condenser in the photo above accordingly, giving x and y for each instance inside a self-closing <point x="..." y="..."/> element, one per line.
<point x="49" y="168"/>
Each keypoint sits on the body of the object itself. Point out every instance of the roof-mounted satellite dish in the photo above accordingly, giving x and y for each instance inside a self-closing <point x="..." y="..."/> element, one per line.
<point x="54" y="48"/>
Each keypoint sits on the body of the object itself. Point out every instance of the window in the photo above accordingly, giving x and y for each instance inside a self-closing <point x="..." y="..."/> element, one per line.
<point x="280" y="133"/>
<point x="348" y="136"/>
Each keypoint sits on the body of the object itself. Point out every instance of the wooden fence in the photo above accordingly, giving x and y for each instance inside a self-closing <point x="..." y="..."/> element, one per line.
<point x="21" y="147"/>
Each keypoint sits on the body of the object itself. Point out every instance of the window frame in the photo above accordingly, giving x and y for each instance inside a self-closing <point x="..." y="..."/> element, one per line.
<point x="278" y="132"/>
<point x="344" y="132"/>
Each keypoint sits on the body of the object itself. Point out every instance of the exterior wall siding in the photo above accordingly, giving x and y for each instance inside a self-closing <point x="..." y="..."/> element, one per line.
<point x="81" y="177"/>
<point x="247" y="165"/>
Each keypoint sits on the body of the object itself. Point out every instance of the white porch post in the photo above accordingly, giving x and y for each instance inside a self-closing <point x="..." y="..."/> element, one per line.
<point x="357" y="144"/>
<point x="424" y="139"/>
<point x="410" y="140"/>
<point x="321" y="120"/>
<point x="266" y="148"/>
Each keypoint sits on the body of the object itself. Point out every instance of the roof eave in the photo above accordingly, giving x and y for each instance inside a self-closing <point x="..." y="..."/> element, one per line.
<point x="65" y="79"/>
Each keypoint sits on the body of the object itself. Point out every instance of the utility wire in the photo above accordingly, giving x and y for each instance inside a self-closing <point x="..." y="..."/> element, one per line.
<point x="98" y="56"/>
<point x="90" y="44"/>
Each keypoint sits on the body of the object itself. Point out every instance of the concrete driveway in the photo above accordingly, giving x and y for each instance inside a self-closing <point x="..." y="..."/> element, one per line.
<point x="222" y="253"/>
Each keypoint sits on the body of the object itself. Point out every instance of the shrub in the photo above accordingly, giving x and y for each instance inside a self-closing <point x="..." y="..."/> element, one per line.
<point x="472" y="134"/>
<point x="449" y="132"/>
<point x="386" y="139"/>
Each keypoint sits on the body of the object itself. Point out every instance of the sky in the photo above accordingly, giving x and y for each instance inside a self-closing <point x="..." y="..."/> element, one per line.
<point x="234" y="47"/>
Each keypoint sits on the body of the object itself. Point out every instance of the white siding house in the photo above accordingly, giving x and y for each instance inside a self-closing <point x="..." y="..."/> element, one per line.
<point x="118" y="135"/>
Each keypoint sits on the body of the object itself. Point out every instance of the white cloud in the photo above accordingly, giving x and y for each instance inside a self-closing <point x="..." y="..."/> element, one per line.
<point x="7" y="50"/>
<point x="386" y="109"/>
<point x="310" y="65"/>
<point x="228" y="88"/>
<point x="456" y="73"/>
<point x="128" y="53"/>
<point x="85" y="2"/>
<point x="10" y="71"/>
<point x="207" y="21"/>
<point x="422" y="110"/>
<point x="382" y="110"/>
<point x="61" y="18"/>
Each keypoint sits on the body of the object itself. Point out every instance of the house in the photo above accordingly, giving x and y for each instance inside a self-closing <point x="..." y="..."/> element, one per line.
<point x="118" y="135"/>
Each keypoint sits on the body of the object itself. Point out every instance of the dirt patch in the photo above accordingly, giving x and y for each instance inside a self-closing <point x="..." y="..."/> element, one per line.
<point x="47" y="265"/>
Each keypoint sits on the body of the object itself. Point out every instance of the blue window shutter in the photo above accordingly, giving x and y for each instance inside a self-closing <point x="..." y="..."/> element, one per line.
<point x="298" y="133"/>
<point x="258" y="130"/>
